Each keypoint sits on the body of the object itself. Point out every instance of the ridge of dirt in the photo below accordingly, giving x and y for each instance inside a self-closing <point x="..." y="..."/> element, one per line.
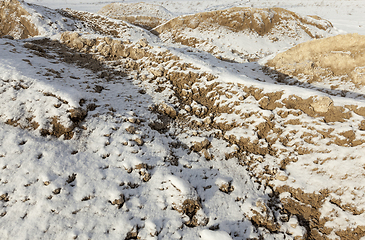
<point x="189" y="206"/>
<point x="14" y="20"/>
<point x="104" y="25"/>
<point x="200" y="103"/>
<point x="267" y="132"/>
<point x="145" y="22"/>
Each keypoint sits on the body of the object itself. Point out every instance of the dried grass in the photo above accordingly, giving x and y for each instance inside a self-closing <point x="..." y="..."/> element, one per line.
<point x="14" y="21"/>
<point x="338" y="56"/>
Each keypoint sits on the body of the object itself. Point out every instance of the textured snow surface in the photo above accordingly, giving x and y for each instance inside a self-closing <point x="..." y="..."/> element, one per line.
<point x="96" y="146"/>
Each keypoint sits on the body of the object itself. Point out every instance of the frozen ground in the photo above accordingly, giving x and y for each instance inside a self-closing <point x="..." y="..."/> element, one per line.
<point x="345" y="15"/>
<point x="108" y="132"/>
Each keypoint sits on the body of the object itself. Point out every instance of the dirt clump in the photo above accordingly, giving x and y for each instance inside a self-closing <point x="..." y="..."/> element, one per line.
<point x="119" y="202"/>
<point x="307" y="206"/>
<point x="4" y="197"/>
<point x="27" y="124"/>
<point x="264" y="217"/>
<point x="190" y="207"/>
<point x="77" y="115"/>
<point x="318" y="107"/>
<point x="321" y="104"/>
<point x="14" y="20"/>
<point x="200" y="145"/>
<point x="57" y="130"/>
<point x="227" y="187"/>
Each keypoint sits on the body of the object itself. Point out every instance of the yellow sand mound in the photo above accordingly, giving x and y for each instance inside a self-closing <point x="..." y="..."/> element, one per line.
<point x="341" y="57"/>
<point x="14" y="20"/>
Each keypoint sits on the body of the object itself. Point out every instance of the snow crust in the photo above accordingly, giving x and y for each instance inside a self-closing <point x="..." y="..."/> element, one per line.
<point x="53" y="188"/>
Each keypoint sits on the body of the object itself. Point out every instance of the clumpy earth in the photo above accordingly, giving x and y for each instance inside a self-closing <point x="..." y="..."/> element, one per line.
<point x="108" y="132"/>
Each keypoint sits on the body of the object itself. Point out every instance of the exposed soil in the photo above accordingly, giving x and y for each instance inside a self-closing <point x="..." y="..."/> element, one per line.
<point x="201" y="98"/>
<point x="256" y="125"/>
<point x="238" y="19"/>
<point x="14" y="21"/>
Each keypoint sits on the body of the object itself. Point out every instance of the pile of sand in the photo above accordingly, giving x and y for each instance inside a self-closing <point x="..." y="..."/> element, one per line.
<point x="219" y="28"/>
<point x="339" y="57"/>
<point x="14" y="20"/>
<point x="145" y="15"/>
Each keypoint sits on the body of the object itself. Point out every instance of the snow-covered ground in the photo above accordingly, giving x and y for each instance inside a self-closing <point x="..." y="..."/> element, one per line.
<point x="109" y="132"/>
<point x="345" y="15"/>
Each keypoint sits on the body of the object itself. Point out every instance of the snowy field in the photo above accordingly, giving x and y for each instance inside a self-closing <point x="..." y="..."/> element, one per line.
<point x="196" y="129"/>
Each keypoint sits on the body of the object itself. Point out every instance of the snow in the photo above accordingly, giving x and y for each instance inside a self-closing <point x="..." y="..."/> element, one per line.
<point x="214" y="235"/>
<point x="53" y="188"/>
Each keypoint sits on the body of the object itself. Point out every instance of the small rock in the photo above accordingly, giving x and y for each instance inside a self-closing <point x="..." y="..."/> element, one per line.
<point x="198" y="146"/>
<point x="321" y="104"/>
<point x="57" y="191"/>
<point x="226" y="188"/>
<point x="156" y="72"/>
<point x="119" y="202"/>
<point x="170" y="111"/>
<point x="146" y="176"/>
<point x="206" y="154"/>
<point x="132" y="120"/>
<point x="4" y="197"/>
<point x="139" y="141"/>
<point x="190" y="207"/>
<point x="362" y="125"/>
<point x="281" y="177"/>
<point x="132" y="235"/>
<point x="143" y="42"/>
<point x="207" y="120"/>
<point x="77" y="114"/>
<point x="131" y="129"/>
<point x="71" y="178"/>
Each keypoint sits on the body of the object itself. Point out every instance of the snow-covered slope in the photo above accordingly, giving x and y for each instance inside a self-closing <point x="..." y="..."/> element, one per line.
<point x="141" y="14"/>
<point x="109" y="132"/>
<point x="239" y="34"/>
